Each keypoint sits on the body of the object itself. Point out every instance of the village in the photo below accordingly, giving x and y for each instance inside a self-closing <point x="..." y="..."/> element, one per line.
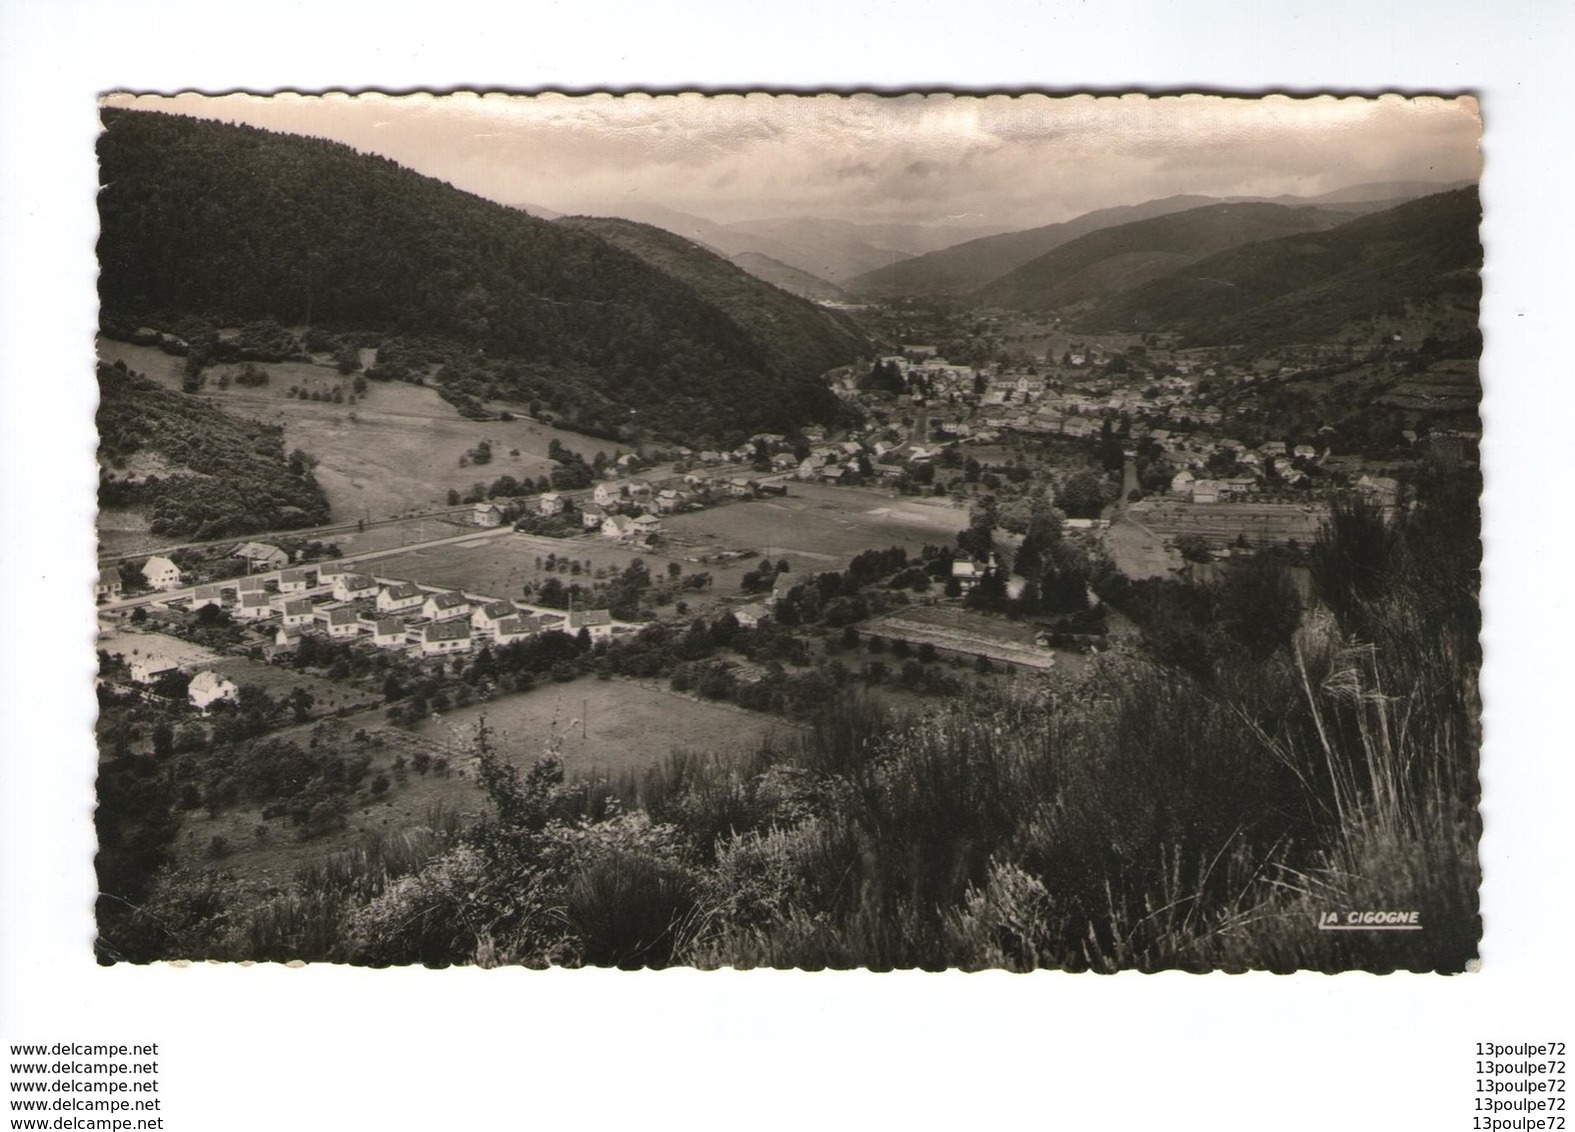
<point x="1175" y="488"/>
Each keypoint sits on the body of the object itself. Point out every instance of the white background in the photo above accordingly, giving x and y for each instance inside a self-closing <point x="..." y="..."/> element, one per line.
<point x="323" y="1048"/>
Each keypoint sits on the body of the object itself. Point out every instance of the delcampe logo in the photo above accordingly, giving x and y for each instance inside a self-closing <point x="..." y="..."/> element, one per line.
<point x="1370" y="921"/>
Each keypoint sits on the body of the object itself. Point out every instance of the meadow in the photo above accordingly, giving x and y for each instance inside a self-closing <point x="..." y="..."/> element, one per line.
<point x="597" y="728"/>
<point x="396" y="450"/>
<point x="821" y="525"/>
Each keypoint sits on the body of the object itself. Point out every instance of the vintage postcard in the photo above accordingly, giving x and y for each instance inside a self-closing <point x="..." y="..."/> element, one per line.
<point x="790" y="531"/>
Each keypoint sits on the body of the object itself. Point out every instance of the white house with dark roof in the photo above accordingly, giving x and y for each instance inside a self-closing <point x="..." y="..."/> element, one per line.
<point x="330" y="572"/>
<point x="446" y="607"/>
<point x="484" y="619"/>
<point x="148" y="667"/>
<point x="296" y="581"/>
<point x="353" y="587"/>
<point x="487" y="515"/>
<point x="208" y="688"/>
<point x="389" y="633"/>
<point x="160" y="573"/>
<point x="343" y="622"/>
<point x="299" y="611"/>
<point x="513" y="629"/>
<point x="549" y="503"/>
<point x="617" y="526"/>
<point x="400" y="597"/>
<point x="246" y="586"/>
<point x="254" y="607"/>
<point x="207" y="595"/>
<point x="643" y="525"/>
<point x="597" y="622"/>
<point x="606" y="494"/>
<point x="109" y="584"/>
<point x="445" y="637"/>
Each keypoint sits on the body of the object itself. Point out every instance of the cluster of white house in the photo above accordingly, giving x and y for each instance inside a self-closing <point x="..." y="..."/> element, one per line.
<point x="346" y="605"/>
<point x="399" y="614"/>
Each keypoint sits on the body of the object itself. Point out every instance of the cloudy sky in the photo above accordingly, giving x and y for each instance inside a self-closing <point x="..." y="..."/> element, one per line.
<point x="996" y="161"/>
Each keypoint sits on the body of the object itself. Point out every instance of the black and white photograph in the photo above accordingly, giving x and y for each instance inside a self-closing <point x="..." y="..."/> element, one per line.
<point x="873" y="531"/>
<point x="790" y="566"/>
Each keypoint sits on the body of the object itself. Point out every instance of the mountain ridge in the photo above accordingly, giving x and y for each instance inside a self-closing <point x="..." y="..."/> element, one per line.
<point x="238" y="223"/>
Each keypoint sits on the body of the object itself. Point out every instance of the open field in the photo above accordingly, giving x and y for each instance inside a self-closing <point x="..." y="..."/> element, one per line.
<point x="962" y="631"/>
<point x="130" y="643"/>
<point x="821" y="525"/>
<point x="1262" y="524"/>
<point x="609" y="726"/>
<point x="827" y="526"/>
<point x="627" y="726"/>
<point x="396" y="450"/>
<point x="1139" y="552"/>
<point x="501" y="565"/>
<point x="280" y="680"/>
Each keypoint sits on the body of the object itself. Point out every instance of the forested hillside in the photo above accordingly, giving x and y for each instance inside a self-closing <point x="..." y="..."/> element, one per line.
<point x="227" y="476"/>
<point x="788" y="329"/>
<point x="1307" y="287"/>
<point x="234" y="223"/>
<point x="1114" y="260"/>
<point x="968" y="266"/>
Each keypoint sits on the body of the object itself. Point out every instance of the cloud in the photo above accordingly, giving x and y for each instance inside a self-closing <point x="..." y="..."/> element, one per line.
<point x="1017" y="161"/>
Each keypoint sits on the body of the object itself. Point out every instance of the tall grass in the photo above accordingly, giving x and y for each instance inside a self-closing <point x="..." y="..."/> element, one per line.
<point x="305" y="921"/>
<point x="1148" y="815"/>
<point x="1153" y="819"/>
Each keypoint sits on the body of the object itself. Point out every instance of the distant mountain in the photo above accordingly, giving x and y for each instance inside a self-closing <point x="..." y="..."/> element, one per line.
<point x="905" y="238"/>
<point x="840" y="250"/>
<point x="540" y="212"/>
<point x="235" y="224"/>
<point x="1116" y="259"/>
<point x="966" y="267"/>
<point x="1395" y="191"/>
<point x="1307" y="287"/>
<point x="792" y="332"/>
<point x="790" y="279"/>
<point x="832" y="250"/>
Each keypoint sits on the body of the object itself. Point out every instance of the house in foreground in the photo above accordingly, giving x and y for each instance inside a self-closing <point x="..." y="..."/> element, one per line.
<point x="596" y="622"/>
<point x="447" y="606"/>
<point x="208" y="688"/>
<point x="109" y="584"/>
<point x="389" y="633"/>
<point x="160" y="573"/>
<point x="444" y="637"/>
